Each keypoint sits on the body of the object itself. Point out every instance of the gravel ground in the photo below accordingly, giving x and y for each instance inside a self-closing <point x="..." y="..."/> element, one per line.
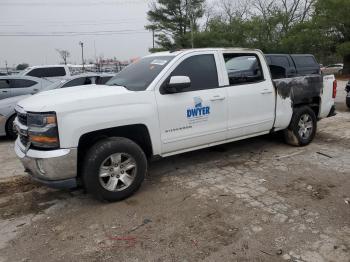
<point x="253" y="200"/>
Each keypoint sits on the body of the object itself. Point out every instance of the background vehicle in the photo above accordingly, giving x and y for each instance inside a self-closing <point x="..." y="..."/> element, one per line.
<point x="284" y="65"/>
<point x="7" y="106"/>
<point x="165" y="104"/>
<point x="79" y="80"/>
<point x="332" y="69"/>
<point x="21" y="85"/>
<point x="347" y="89"/>
<point x="47" y="71"/>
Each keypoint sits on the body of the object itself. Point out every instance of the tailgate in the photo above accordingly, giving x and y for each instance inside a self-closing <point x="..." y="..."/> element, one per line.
<point x="327" y="99"/>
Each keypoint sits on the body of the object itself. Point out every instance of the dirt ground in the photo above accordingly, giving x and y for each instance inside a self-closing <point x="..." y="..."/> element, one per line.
<point x="253" y="200"/>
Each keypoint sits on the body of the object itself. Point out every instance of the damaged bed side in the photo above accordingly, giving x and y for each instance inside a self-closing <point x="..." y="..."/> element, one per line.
<point x="316" y="91"/>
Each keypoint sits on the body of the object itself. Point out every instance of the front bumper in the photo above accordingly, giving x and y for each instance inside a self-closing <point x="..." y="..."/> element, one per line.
<point x="54" y="168"/>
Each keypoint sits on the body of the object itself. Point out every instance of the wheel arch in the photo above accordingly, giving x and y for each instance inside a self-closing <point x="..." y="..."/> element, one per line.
<point x="138" y="133"/>
<point x="8" y="121"/>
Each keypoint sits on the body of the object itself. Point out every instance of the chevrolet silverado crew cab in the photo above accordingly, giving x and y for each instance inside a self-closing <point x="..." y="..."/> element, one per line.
<point x="101" y="137"/>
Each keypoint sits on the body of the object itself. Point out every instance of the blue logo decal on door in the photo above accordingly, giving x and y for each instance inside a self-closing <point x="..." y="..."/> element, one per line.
<point x="199" y="110"/>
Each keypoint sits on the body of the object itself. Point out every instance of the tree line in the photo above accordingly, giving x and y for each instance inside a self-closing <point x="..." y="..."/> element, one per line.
<point x="320" y="27"/>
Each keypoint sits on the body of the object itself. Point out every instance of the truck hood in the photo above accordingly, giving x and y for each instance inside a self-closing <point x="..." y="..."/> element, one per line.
<point x="67" y="97"/>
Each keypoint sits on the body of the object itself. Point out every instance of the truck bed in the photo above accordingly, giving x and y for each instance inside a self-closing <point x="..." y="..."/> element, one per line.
<point x="302" y="89"/>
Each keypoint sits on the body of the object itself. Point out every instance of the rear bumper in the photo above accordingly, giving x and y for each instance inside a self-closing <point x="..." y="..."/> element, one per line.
<point x="54" y="168"/>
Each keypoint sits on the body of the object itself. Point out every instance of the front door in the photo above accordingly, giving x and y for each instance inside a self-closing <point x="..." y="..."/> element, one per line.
<point x="197" y="116"/>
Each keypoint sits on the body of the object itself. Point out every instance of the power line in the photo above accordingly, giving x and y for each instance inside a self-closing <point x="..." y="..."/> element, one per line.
<point x="96" y="33"/>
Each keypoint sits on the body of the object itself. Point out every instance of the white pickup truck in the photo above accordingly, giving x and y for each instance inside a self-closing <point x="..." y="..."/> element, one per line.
<point x="101" y="137"/>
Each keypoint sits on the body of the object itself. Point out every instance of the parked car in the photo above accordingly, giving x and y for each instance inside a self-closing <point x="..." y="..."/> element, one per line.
<point x="79" y="80"/>
<point x="47" y="71"/>
<point x="347" y="89"/>
<point x="7" y="106"/>
<point x="16" y="85"/>
<point x="332" y="69"/>
<point x="165" y="104"/>
<point x="285" y="65"/>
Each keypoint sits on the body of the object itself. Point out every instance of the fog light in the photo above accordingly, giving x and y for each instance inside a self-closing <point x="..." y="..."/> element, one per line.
<point x="39" y="164"/>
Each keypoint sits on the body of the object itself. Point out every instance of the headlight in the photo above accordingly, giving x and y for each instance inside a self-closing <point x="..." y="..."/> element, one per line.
<point x="42" y="130"/>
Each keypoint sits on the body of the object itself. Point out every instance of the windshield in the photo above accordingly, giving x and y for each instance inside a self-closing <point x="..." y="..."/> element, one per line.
<point x="139" y="75"/>
<point x="241" y="63"/>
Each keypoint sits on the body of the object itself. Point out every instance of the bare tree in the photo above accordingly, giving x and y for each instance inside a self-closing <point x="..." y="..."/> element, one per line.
<point x="64" y="54"/>
<point x="235" y="9"/>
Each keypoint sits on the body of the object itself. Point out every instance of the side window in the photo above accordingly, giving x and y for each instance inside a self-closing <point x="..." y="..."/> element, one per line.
<point x="243" y="68"/>
<point x="22" y="83"/>
<point x="201" y="69"/>
<point x="280" y="61"/>
<point x="38" y="72"/>
<point x="55" y="72"/>
<point x="305" y="61"/>
<point x="76" y="82"/>
<point x="4" y="83"/>
<point x="103" y="80"/>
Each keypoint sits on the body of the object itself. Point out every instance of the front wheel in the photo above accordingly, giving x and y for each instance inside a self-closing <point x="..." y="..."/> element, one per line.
<point x="348" y="100"/>
<point x="302" y="128"/>
<point x="114" y="169"/>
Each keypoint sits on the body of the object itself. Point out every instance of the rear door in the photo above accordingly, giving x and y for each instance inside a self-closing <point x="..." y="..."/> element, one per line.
<point x="251" y="97"/>
<point x="5" y="88"/>
<point x="196" y="116"/>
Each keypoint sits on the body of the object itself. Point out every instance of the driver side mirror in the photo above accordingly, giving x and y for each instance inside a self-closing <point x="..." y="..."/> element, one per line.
<point x="177" y="84"/>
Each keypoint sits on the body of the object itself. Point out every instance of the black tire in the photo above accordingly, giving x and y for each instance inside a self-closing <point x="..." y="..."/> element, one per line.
<point x="11" y="133"/>
<point x="98" y="154"/>
<point x="348" y="102"/>
<point x="292" y="135"/>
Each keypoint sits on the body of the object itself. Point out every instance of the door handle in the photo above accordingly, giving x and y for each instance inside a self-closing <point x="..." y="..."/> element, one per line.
<point x="4" y="91"/>
<point x="217" y="98"/>
<point x="266" y="91"/>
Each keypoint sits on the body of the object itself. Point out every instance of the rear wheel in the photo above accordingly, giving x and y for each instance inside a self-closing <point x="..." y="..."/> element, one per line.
<point x="348" y="100"/>
<point x="11" y="131"/>
<point x="302" y="128"/>
<point x="114" y="169"/>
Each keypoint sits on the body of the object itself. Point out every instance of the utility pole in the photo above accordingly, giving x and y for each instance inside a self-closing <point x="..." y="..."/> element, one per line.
<point x="7" y="69"/>
<point x="82" y="54"/>
<point x="153" y="37"/>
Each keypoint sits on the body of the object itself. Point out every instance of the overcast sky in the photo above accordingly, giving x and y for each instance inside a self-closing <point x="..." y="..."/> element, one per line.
<point x="114" y="27"/>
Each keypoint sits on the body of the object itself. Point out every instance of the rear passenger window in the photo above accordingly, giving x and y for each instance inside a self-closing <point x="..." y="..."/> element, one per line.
<point x="48" y="72"/>
<point x="243" y="68"/>
<point x="38" y="72"/>
<point x="280" y="61"/>
<point x="4" y="83"/>
<point x="201" y="69"/>
<point x="55" y="72"/>
<point x="22" y="83"/>
<point x="303" y="61"/>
